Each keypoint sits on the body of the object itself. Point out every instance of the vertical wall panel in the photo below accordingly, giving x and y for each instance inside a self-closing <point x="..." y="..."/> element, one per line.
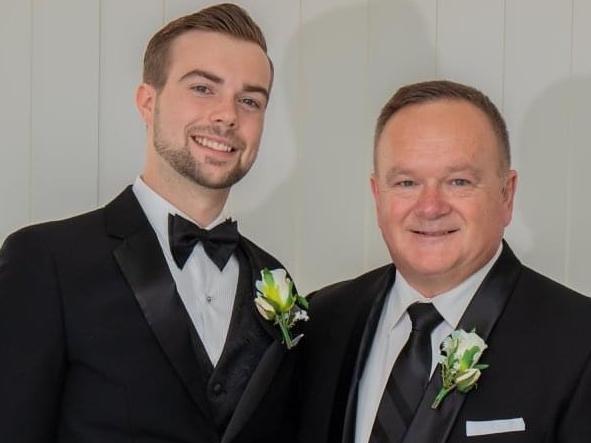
<point x="175" y="8"/>
<point x="65" y="107"/>
<point x="333" y="141"/>
<point x="121" y="130"/>
<point x="537" y="49"/>
<point x="578" y="89"/>
<point x="15" y="114"/>
<point x="470" y="44"/>
<point x="401" y="50"/>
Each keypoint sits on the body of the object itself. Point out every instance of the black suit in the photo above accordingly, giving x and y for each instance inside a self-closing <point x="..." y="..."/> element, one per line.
<point x="98" y="347"/>
<point x="539" y="338"/>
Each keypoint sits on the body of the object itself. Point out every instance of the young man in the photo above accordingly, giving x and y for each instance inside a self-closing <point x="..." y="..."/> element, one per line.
<point x="136" y="322"/>
<point x="444" y="189"/>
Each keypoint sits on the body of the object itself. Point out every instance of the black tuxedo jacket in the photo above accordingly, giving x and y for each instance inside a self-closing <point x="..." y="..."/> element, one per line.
<point x="96" y="344"/>
<point x="539" y="338"/>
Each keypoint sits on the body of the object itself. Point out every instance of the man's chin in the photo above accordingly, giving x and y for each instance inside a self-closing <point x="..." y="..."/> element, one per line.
<point x="217" y="182"/>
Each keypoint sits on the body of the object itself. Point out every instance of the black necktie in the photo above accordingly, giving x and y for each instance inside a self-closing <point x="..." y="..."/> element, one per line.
<point x="408" y="379"/>
<point x="219" y="243"/>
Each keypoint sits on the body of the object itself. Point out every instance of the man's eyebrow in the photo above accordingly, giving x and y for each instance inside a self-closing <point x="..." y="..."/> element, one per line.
<point x="464" y="168"/>
<point x="201" y="73"/>
<point x="257" y="89"/>
<point x="394" y="172"/>
<point x="218" y="80"/>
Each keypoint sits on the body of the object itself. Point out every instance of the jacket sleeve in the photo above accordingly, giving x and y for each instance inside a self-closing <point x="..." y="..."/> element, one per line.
<point x="32" y="350"/>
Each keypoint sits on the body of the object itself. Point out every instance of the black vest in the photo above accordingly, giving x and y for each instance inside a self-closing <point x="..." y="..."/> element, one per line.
<point x="244" y="347"/>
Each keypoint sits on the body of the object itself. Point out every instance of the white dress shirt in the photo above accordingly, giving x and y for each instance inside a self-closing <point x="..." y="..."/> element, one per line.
<point x="207" y="293"/>
<point x="393" y="330"/>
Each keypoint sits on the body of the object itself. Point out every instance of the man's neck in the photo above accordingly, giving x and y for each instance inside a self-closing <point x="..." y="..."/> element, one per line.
<point x="203" y="205"/>
<point x="432" y="287"/>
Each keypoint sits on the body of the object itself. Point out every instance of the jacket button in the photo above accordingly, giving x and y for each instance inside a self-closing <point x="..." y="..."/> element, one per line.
<point x="217" y="389"/>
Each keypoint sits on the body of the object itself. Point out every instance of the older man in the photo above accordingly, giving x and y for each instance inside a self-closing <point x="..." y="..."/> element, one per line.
<point x="137" y="322"/>
<point x="444" y="190"/>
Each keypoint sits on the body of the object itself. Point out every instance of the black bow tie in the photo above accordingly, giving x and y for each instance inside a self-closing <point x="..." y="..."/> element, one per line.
<point x="219" y="243"/>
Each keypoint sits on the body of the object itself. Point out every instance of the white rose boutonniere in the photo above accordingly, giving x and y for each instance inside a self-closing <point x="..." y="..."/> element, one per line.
<point x="460" y="370"/>
<point x="276" y="301"/>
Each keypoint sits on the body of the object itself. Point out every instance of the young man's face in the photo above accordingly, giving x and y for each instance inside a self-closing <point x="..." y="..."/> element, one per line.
<point x="206" y="121"/>
<point x="443" y="197"/>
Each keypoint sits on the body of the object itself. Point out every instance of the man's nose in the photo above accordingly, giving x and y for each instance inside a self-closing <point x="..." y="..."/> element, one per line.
<point x="432" y="202"/>
<point x="225" y="114"/>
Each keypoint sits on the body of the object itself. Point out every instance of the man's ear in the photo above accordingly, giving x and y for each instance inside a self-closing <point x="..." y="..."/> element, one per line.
<point x="145" y="101"/>
<point x="509" y="188"/>
<point x="373" y="180"/>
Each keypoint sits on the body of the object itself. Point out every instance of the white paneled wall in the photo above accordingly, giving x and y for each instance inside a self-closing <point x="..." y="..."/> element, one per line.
<point x="120" y="136"/>
<point x="65" y="93"/>
<point x="71" y="138"/>
<point x="15" y="114"/>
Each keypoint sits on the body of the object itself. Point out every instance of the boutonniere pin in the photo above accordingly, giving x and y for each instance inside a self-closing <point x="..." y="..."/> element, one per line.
<point x="276" y="301"/>
<point x="460" y="370"/>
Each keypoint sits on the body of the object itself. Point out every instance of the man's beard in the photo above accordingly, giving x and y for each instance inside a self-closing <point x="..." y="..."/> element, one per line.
<point x="181" y="160"/>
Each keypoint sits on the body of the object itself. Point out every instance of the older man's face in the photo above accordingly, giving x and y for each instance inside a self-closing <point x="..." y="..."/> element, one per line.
<point x="442" y="197"/>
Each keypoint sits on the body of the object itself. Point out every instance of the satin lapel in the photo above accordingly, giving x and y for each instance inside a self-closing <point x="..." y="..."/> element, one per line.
<point x="434" y="426"/>
<point x="259" y="382"/>
<point x="145" y="269"/>
<point x="379" y="290"/>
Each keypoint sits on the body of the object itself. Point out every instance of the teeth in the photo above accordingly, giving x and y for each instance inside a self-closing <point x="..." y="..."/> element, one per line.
<point x="216" y="146"/>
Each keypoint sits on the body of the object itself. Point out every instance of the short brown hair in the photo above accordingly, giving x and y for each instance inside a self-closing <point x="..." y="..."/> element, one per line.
<point x="225" y="18"/>
<point x="446" y="90"/>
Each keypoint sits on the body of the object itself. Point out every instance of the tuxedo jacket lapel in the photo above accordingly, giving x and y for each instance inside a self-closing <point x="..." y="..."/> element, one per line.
<point x="271" y="359"/>
<point x="380" y="290"/>
<point x="434" y="426"/>
<point x="145" y="269"/>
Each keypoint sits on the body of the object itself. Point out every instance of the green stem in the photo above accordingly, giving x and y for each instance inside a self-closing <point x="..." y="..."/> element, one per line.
<point x="285" y="332"/>
<point x="440" y="396"/>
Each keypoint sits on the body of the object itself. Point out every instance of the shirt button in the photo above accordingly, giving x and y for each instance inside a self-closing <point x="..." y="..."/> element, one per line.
<point x="217" y="389"/>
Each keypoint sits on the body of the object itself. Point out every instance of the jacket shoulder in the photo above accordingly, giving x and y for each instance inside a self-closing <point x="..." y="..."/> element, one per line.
<point x="58" y="230"/>
<point x="554" y="298"/>
<point x="350" y="293"/>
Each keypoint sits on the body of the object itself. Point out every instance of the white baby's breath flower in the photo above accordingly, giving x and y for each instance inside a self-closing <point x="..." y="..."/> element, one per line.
<point x="301" y="315"/>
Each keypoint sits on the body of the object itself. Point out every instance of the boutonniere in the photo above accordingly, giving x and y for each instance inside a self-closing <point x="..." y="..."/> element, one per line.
<point x="276" y="301"/>
<point x="460" y="370"/>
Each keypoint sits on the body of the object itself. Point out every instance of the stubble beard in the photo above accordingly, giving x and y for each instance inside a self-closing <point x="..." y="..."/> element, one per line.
<point x="183" y="162"/>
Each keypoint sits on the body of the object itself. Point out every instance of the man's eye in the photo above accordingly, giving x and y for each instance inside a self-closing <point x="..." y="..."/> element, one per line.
<point x="460" y="182"/>
<point x="251" y="103"/>
<point x="405" y="183"/>
<point x="201" y="89"/>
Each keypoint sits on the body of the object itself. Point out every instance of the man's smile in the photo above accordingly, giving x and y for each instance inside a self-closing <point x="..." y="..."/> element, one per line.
<point x="434" y="233"/>
<point x="214" y="145"/>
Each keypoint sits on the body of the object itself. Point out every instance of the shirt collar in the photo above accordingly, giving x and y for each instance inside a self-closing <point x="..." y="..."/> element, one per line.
<point x="451" y="304"/>
<point x="157" y="209"/>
